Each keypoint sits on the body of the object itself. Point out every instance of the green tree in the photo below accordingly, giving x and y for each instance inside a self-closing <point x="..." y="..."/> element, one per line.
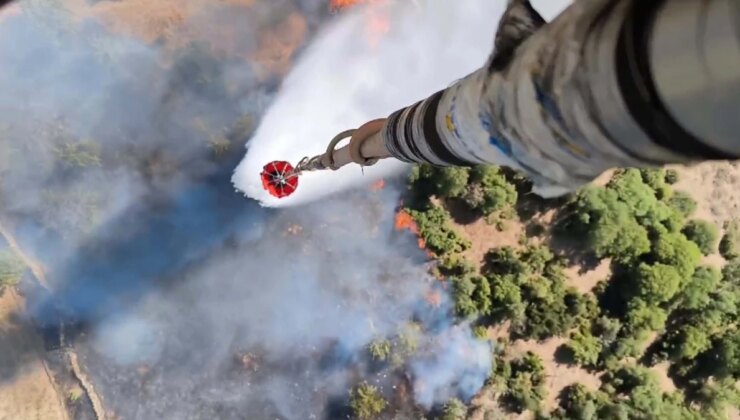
<point x="696" y="294"/>
<point x="704" y="234"/>
<point x="504" y="261"/>
<point x="608" y="224"/>
<point x="536" y="258"/>
<point x="657" y="283"/>
<point x="728" y="355"/>
<point x="682" y="203"/>
<point x="731" y="273"/>
<point x="449" y="181"/>
<point x="671" y="176"/>
<point x="626" y="346"/>
<point x="584" y="347"/>
<point x="436" y="230"/>
<point x="675" y="250"/>
<point x="472" y="295"/>
<point x="729" y="246"/>
<point x="380" y="349"/>
<point x="640" y="198"/>
<point x="11" y="268"/>
<point x="482" y="295"/>
<point x="642" y="316"/>
<point x="489" y="190"/>
<point x="607" y="329"/>
<point x="454" y="410"/>
<point x="640" y="396"/>
<point x="583" y="307"/>
<point x="506" y="297"/>
<point x="456" y="265"/>
<point x="444" y="182"/>
<point x="366" y="401"/>
<point x="526" y="388"/>
<point x="655" y="178"/>
<point x="578" y="403"/>
<point x="693" y="341"/>
<point x="546" y="312"/>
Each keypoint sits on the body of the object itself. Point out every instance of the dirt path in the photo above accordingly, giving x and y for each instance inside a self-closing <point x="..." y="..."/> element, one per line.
<point x="86" y="385"/>
<point x="28" y="391"/>
<point x="40" y="275"/>
<point x="36" y="268"/>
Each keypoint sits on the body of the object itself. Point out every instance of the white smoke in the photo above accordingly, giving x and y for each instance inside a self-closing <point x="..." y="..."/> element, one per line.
<point x="353" y="73"/>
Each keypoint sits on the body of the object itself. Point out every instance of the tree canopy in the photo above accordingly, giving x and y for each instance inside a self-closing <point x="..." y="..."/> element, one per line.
<point x="436" y="230"/>
<point x="454" y="410"/>
<point x="729" y="246"/>
<point x="526" y="385"/>
<point x="704" y="234"/>
<point x="366" y="401"/>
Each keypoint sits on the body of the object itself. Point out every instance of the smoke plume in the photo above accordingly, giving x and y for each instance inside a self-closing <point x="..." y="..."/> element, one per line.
<point x="380" y="57"/>
<point x="118" y="136"/>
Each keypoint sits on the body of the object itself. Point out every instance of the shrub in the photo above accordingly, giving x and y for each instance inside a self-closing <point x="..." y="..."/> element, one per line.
<point x="380" y="349"/>
<point x="608" y="224"/>
<point x="584" y="347"/>
<point x="671" y="176"/>
<point x="11" y="268"/>
<point x="657" y="283"/>
<point x="366" y="401"/>
<point x="675" y="250"/>
<point x="696" y="294"/>
<point x="682" y="203"/>
<point x="654" y="177"/>
<point x="454" y="410"/>
<point x="526" y="383"/>
<point x="445" y="182"/>
<point x="506" y="297"/>
<point x="577" y="402"/>
<point x="704" y="234"/>
<point x="472" y="295"/>
<point x="456" y="265"/>
<point x="489" y="190"/>
<point x="729" y="246"/>
<point x="504" y="261"/>
<point x="642" y="316"/>
<point x="450" y="181"/>
<point x="437" y="232"/>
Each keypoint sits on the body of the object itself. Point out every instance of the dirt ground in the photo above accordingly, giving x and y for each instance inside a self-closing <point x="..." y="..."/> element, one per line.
<point x="558" y="375"/>
<point x="484" y="236"/>
<point x="584" y="279"/>
<point x="715" y="187"/>
<point x="27" y="389"/>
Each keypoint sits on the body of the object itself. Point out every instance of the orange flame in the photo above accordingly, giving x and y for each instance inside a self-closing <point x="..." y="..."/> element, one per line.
<point x="378" y="23"/>
<point x="377" y="185"/>
<point x="404" y="221"/>
<point x="342" y="4"/>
